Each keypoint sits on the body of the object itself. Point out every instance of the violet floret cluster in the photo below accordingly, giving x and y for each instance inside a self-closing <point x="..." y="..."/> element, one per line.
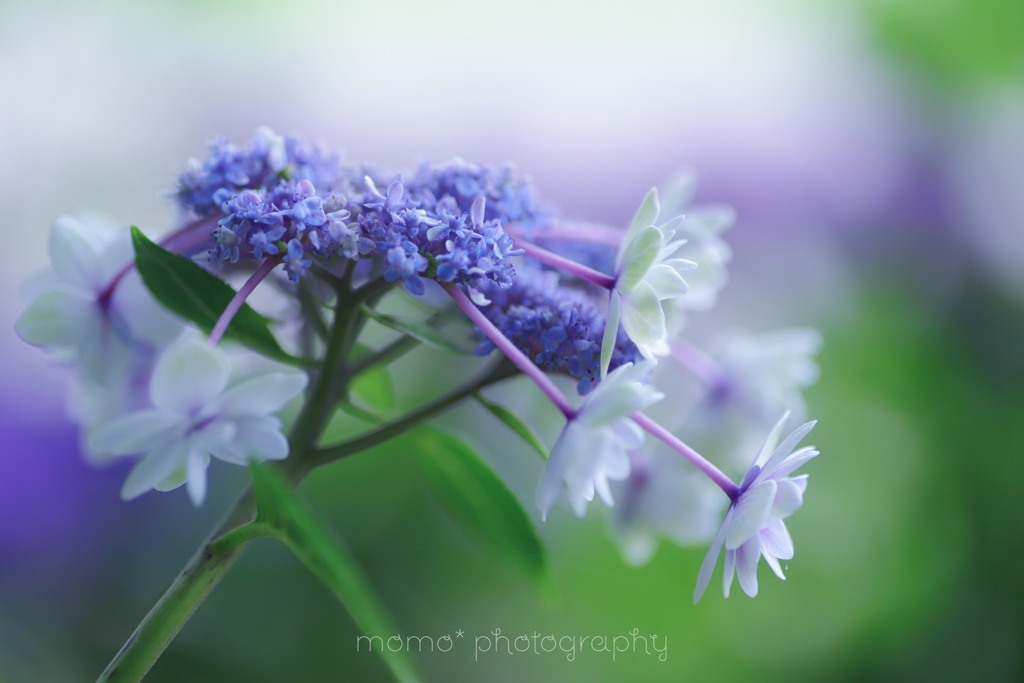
<point x="283" y="197"/>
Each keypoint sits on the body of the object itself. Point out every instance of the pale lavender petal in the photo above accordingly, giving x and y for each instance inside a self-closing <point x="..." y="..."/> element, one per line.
<point x="558" y="462"/>
<point x="212" y="435"/>
<point x="262" y="394"/>
<point x="707" y="567"/>
<point x="751" y="513"/>
<point x="73" y="258"/>
<point x="776" y="541"/>
<point x="261" y="439"/>
<point x="747" y="556"/>
<point x="728" y="572"/>
<point x="153" y="469"/>
<point x="196" y="476"/>
<point x="793" y="462"/>
<point x="189" y="376"/>
<point x="785" y="449"/>
<point x="135" y="432"/>
<point x="769" y="443"/>
<point x="788" y="499"/>
<point x="56" y="318"/>
<point x="147" y="320"/>
<point x="773" y="564"/>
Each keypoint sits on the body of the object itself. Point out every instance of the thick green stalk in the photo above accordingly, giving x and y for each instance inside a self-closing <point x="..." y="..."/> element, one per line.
<point x="163" y="622"/>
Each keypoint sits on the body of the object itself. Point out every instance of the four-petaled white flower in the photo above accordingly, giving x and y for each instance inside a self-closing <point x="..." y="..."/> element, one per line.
<point x="753" y="525"/>
<point x="197" y="415"/>
<point x="76" y="312"/>
<point x="645" y="277"/>
<point x="593" y="447"/>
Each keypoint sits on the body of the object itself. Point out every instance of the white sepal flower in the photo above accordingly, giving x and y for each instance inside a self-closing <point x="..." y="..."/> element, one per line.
<point x="74" y="313"/>
<point x="767" y="371"/>
<point x="197" y="415"/>
<point x="593" y="447"/>
<point x="663" y="498"/>
<point x="702" y="229"/>
<point x="753" y="526"/>
<point x="646" y="276"/>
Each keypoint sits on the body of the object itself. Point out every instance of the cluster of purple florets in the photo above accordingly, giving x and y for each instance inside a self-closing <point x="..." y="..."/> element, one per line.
<point x="282" y="197"/>
<point x="559" y="327"/>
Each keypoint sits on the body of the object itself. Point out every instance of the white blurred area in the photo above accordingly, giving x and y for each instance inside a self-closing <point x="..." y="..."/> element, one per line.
<point x="779" y="105"/>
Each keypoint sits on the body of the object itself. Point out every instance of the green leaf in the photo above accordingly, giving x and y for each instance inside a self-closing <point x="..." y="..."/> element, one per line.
<point x="323" y="553"/>
<point x="188" y="290"/>
<point x="477" y="501"/>
<point x="417" y="329"/>
<point x="515" y="424"/>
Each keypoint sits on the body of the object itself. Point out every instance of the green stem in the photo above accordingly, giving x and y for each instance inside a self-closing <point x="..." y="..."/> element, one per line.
<point x="385" y="354"/>
<point x="331" y="379"/>
<point x="203" y="572"/>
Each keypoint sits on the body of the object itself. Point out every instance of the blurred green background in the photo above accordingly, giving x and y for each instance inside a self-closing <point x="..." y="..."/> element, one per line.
<point x="875" y="154"/>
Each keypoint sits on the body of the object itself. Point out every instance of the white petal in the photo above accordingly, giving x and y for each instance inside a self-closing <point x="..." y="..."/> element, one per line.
<point x="146" y="319"/>
<point x="262" y="394"/>
<point x="707" y="567"/>
<point x="74" y="259"/>
<point x="189" y="376"/>
<point x="154" y="469"/>
<point x="642" y="317"/>
<point x="56" y="318"/>
<point x="639" y="256"/>
<point x="135" y="433"/>
<point x="747" y="556"/>
<point x="645" y="215"/>
<point x="196" y="476"/>
<point x="618" y="400"/>
<point x="627" y="434"/>
<point x="611" y="331"/>
<point x="568" y="444"/>
<point x="788" y="499"/>
<point x="751" y="513"/>
<point x="667" y="282"/>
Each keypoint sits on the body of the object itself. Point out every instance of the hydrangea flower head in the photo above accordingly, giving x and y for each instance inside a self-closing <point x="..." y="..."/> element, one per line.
<point x="593" y="447"/>
<point x="754" y="525"/>
<point x="197" y="415"/>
